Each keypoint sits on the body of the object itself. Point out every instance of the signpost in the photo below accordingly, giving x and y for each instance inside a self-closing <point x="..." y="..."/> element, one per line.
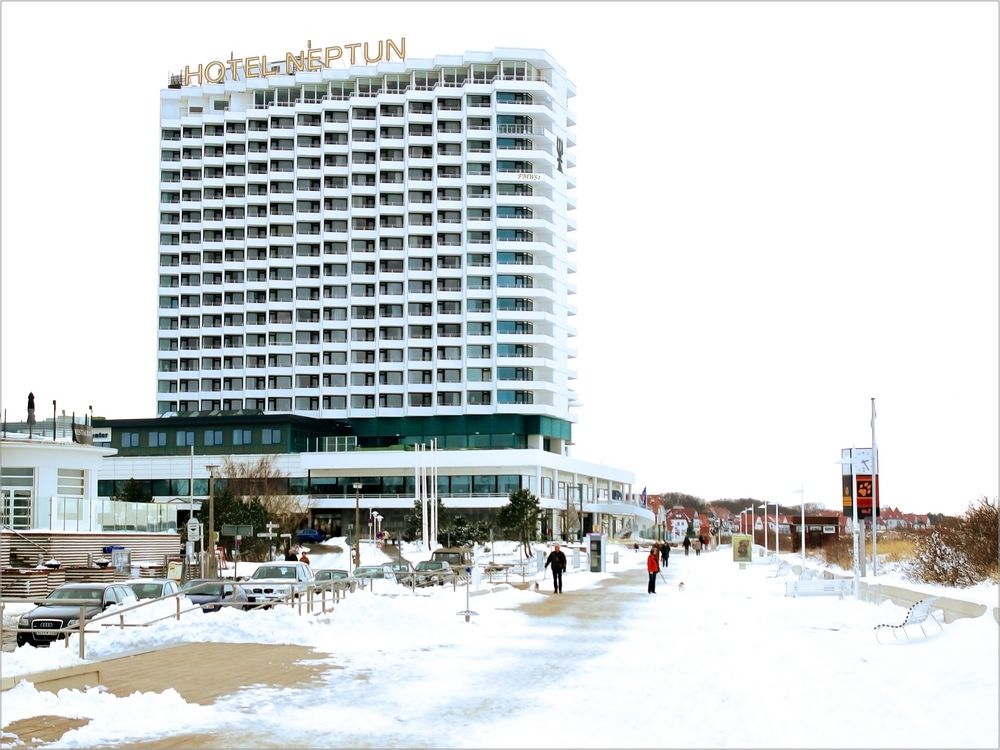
<point x="269" y="535"/>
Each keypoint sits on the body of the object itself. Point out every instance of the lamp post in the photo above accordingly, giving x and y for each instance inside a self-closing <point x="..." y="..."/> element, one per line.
<point x="357" y="523"/>
<point x="752" y="535"/>
<point x="212" y="570"/>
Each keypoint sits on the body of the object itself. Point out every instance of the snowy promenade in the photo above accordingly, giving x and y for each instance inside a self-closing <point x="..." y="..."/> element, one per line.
<point x="727" y="661"/>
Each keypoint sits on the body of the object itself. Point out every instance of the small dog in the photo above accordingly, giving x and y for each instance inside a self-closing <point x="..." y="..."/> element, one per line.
<point x="536" y="585"/>
<point x="680" y="586"/>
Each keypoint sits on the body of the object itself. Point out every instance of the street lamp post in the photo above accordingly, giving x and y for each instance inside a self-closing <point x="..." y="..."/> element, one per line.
<point x="763" y="507"/>
<point x="212" y="569"/>
<point x="752" y="535"/>
<point x="357" y="523"/>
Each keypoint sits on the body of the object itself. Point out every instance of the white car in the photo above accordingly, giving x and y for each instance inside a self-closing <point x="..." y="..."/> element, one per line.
<point x="278" y="581"/>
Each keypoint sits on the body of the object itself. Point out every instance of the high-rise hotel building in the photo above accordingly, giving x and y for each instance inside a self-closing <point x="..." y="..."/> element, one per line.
<point x="369" y="241"/>
<point x="360" y="260"/>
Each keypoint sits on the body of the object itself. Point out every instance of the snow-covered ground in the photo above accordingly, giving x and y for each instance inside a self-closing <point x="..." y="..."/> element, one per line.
<point x="724" y="661"/>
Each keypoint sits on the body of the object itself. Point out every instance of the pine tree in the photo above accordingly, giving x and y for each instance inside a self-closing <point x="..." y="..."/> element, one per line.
<point x="520" y="517"/>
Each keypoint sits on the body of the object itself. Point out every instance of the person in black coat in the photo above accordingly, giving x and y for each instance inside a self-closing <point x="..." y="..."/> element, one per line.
<point x="687" y="544"/>
<point x="665" y="553"/>
<point x="557" y="559"/>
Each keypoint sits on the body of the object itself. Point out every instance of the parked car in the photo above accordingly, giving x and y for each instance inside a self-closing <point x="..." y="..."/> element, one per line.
<point x="336" y="574"/>
<point x="278" y="581"/>
<point x="457" y="557"/>
<point x="403" y="572"/>
<point x="215" y="593"/>
<point x="58" y="609"/>
<point x="430" y="572"/>
<point x="370" y="571"/>
<point x="152" y="588"/>
<point x="310" y="536"/>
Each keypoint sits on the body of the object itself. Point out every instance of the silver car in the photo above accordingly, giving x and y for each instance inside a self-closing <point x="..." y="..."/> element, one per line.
<point x="152" y="588"/>
<point x="334" y="575"/>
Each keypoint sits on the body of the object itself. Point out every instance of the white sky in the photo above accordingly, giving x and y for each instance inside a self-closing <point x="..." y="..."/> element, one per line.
<point x="785" y="210"/>
<point x="729" y="661"/>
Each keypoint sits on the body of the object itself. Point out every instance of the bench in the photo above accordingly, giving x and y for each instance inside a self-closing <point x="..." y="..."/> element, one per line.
<point x="819" y="587"/>
<point x="783" y="569"/>
<point x="918" y="614"/>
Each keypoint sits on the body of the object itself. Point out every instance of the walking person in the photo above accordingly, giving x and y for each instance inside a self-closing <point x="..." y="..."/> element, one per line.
<point x="687" y="545"/>
<point x="665" y="554"/>
<point x="557" y="559"/>
<point x="652" y="567"/>
<point x="697" y="546"/>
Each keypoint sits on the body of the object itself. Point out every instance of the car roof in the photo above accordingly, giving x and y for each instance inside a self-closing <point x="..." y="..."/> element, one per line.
<point x="72" y="585"/>
<point x="148" y="580"/>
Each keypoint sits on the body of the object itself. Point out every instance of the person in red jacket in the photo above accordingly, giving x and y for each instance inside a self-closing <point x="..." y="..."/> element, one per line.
<point x="652" y="567"/>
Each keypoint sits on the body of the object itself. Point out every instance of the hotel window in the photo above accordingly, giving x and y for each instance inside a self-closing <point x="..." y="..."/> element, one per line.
<point x="420" y="399"/>
<point x="241" y="437"/>
<point x="157" y="440"/>
<point x="213" y="437"/>
<point x="130" y="440"/>
<point x="270" y="436"/>
<point x="449" y="398"/>
<point x="185" y="438"/>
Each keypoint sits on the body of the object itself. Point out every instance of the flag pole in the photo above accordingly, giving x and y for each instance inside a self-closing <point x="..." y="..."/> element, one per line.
<point x="854" y="521"/>
<point x="874" y="496"/>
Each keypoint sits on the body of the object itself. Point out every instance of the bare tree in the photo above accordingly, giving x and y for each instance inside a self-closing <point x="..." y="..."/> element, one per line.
<point x="262" y="481"/>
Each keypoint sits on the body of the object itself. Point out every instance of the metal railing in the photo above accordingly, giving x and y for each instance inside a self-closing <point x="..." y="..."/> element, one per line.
<point x="318" y="598"/>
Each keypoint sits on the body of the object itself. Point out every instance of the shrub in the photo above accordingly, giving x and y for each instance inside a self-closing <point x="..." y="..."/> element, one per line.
<point x="960" y="552"/>
<point x="839" y="551"/>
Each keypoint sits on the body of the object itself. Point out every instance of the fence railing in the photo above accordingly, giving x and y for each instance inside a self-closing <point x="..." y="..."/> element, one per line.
<point x="318" y="598"/>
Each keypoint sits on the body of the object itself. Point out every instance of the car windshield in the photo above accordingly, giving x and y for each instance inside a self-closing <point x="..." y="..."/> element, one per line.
<point x="330" y="575"/>
<point x="274" y="571"/>
<point x="147" y="590"/>
<point x="430" y="565"/>
<point x="91" y="594"/>
<point x="372" y="571"/>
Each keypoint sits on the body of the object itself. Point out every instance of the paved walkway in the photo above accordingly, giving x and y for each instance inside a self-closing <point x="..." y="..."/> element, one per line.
<point x="205" y="672"/>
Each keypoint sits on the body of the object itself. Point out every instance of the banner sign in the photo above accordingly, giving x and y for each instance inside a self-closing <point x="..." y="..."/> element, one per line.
<point x="742" y="548"/>
<point x="857" y="463"/>
<point x="865" y="494"/>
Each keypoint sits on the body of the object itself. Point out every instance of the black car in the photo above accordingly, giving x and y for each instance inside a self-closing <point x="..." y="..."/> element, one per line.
<point x="61" y="609"/>
<point x="215" y="593"/>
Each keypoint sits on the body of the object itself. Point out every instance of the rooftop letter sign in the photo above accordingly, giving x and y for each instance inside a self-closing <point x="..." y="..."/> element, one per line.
<point x="308" y="59"/>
